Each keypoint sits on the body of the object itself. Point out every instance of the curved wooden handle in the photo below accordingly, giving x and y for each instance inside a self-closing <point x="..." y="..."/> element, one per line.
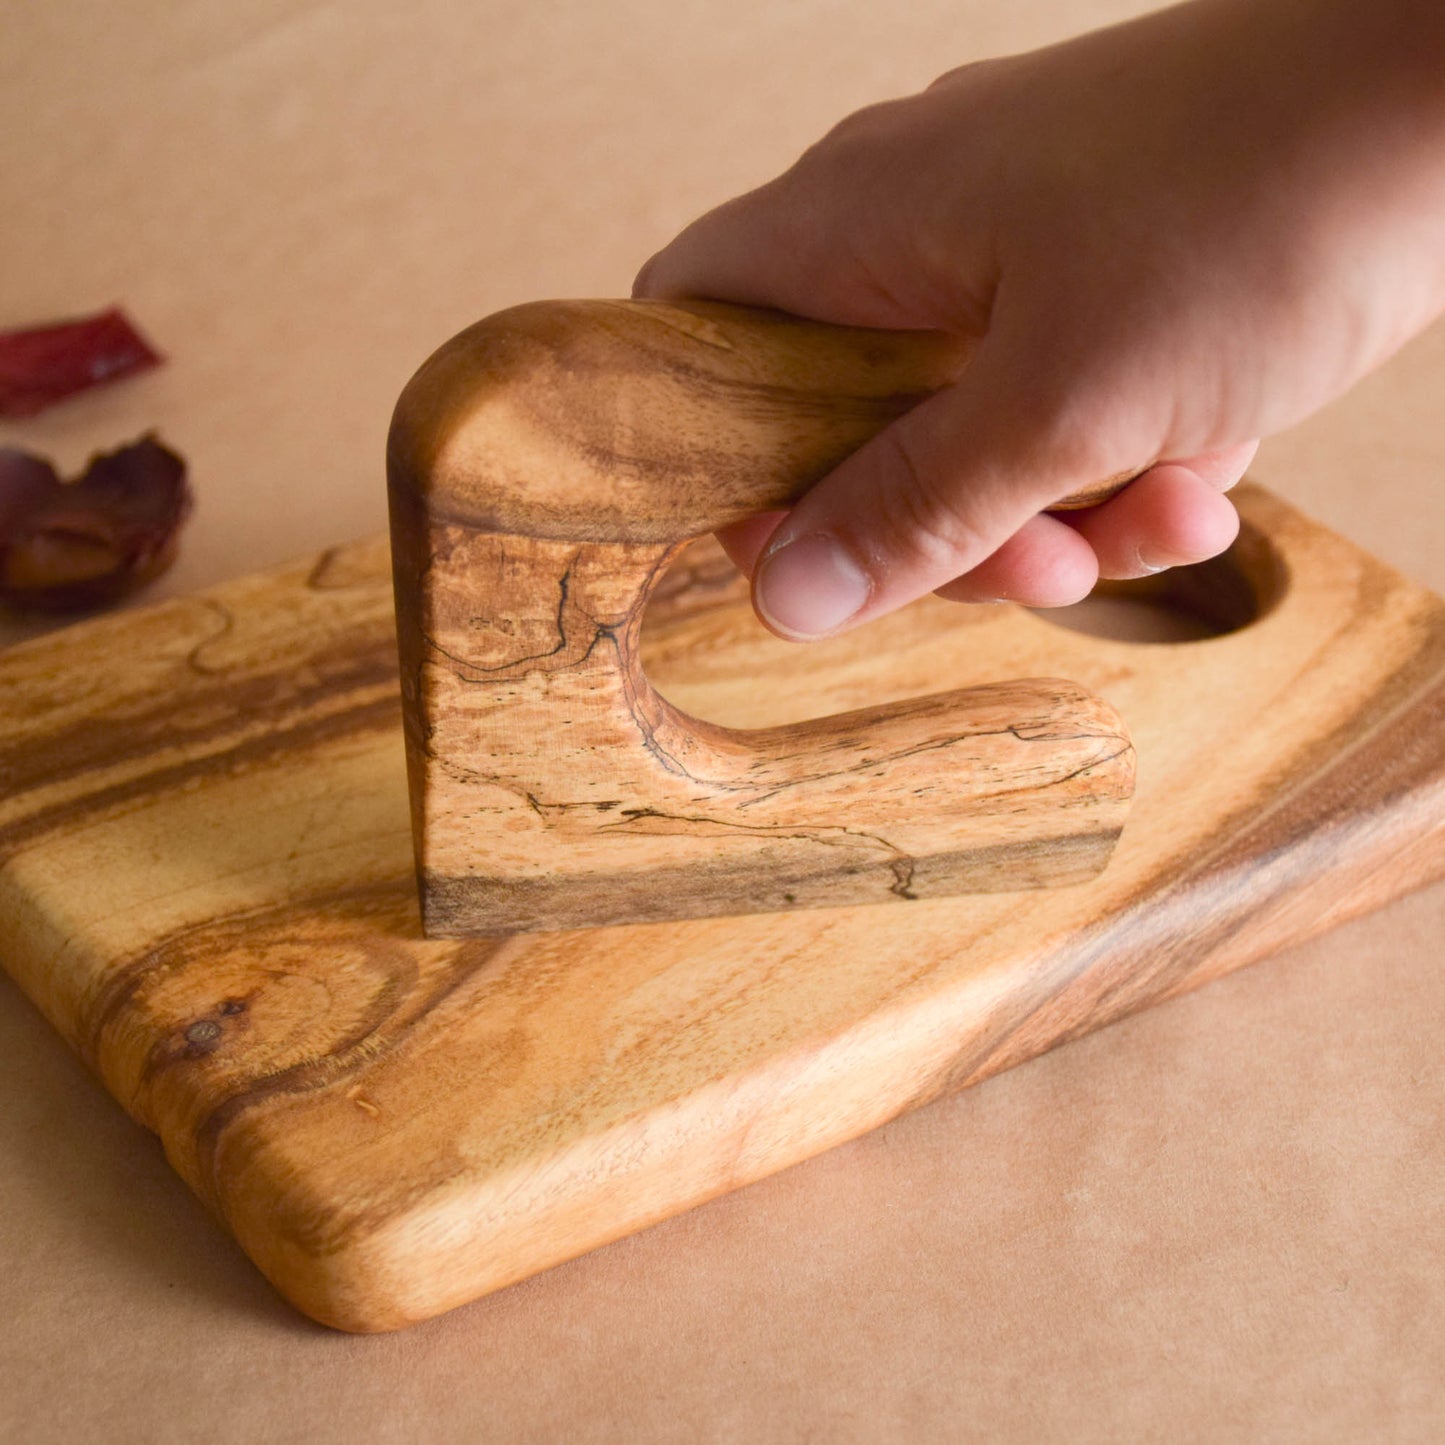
<point x="544" y="468"/>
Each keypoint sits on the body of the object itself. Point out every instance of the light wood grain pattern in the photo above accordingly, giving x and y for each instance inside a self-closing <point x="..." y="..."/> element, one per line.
<point x="205" y="883"/>
<point x="544" y="467"/>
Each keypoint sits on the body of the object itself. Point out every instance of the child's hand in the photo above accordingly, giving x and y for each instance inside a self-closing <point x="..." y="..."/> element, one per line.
<point x="1178" y="235"/>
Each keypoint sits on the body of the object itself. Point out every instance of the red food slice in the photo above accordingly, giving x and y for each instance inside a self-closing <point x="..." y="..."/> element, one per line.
<point x="45" y="364"/>
<point x="82" y="544"/>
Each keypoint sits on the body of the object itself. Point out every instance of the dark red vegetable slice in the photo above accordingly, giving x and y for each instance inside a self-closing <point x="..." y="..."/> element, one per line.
<point x="45" y="364"/>
<point x="71" y="545"/>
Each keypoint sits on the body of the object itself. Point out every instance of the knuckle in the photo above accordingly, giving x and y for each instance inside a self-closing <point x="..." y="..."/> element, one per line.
<point x="863" y="126"/>
<point x="860" y="148"/>
<point x="971" y="72"/>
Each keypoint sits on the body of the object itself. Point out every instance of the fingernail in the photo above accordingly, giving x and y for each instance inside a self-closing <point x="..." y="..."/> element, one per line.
<point x="810" y="587"/>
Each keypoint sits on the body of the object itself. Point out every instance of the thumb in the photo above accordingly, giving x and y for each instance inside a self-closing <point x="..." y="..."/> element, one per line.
<point x="942" y="489"/>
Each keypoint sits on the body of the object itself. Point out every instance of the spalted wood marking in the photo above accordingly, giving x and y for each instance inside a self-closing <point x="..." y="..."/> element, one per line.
<point x="205" y="883"/>
<point x="544" y="466"/>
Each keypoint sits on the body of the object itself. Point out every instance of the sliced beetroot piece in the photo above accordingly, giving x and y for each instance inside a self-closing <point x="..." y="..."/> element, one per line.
<point x="45" y="364"/>
<point x="66" y="546"/>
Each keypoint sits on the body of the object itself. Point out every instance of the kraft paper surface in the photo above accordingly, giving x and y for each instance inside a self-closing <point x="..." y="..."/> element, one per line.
<point x="1222" y="1220"/>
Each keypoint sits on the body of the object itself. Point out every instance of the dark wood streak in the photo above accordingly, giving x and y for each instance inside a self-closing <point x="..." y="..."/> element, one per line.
<point x="197" y="719"/>
<point x="1215" y="914"/>
<point x="599" y="902"/>
<point x="225" y="755"/>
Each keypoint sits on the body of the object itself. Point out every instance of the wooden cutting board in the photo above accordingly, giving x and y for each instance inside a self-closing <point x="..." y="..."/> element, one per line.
<point x="206" y="885"/>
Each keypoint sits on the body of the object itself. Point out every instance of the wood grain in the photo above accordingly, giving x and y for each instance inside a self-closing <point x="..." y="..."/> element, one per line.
<point x="205" y="883"/>
<point x="545" y="467"/>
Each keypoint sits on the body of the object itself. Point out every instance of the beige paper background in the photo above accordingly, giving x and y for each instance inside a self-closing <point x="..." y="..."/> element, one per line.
<point x="1223" y="1220"/>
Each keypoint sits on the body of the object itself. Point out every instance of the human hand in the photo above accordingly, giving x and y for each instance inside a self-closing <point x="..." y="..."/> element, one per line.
<point x="1174" y="237"/>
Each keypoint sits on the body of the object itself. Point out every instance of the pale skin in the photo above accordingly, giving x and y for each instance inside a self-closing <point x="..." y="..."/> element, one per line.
<point x="1175" y="236"/>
